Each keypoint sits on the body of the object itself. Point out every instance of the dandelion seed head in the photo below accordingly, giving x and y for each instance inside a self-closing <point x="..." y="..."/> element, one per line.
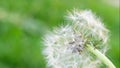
<point x="65" y="46"/>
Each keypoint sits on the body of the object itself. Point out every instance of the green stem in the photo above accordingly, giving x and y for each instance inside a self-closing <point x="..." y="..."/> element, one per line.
<point x="101" y="56"/>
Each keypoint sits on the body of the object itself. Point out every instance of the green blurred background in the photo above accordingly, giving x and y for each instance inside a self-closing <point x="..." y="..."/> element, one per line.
<point x="24" y="22"/>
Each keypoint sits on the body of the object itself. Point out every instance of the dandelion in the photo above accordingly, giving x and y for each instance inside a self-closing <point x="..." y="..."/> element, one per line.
<point x="73" y="45"/>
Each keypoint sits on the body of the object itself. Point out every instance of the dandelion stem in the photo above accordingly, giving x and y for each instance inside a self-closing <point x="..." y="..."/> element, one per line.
<point x="101" y="56"/>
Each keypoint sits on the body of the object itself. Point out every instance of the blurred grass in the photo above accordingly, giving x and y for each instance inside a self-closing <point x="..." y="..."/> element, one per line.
<point x="24" y="22"/>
